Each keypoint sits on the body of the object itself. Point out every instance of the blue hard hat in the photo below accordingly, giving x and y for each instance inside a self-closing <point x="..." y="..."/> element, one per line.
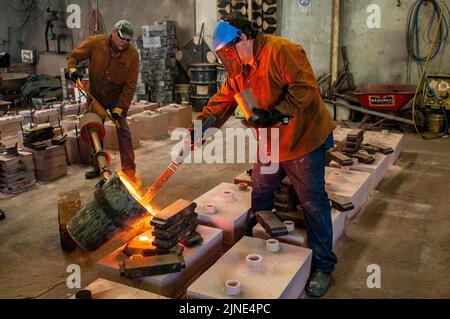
<point x="224" y="34"/>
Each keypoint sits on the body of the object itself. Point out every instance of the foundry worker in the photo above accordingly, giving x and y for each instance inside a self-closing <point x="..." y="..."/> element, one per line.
<point x="113" y="74"/>
<point x="283" y="82"/>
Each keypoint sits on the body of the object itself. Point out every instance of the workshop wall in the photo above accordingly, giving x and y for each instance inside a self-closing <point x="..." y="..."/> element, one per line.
<point x="380" y="55"/>
<point x="139" y="12"/>
<point x="376" y="55"/>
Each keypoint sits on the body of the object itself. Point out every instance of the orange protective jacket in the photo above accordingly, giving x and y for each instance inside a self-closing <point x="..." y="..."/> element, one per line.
<point x="112" y="74"/>
<point x="281" y="78"/>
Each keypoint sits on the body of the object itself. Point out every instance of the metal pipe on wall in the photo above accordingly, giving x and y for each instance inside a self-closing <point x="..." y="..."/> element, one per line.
<point x="335" y="40"/>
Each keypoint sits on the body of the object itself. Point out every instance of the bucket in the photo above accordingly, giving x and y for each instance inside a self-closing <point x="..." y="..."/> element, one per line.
<point x="112" y="211"/>
<point x="435" y="122"/>
<point x="203" y="84"/>
<point x="182" y="93"/>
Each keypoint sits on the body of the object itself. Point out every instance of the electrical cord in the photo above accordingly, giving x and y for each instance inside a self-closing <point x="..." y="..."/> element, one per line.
<point x="413" y="32"/>
<point x="49" y="289"/>
<point x="439" y="41"/>
<point x="27" y="15"/>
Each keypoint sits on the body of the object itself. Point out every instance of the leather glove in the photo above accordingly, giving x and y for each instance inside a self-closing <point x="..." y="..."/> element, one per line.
<point x="116" y="113"/>
<point x="195" y="141"/>
<point x="267" y="118"/>
<point x="74" y="75"/>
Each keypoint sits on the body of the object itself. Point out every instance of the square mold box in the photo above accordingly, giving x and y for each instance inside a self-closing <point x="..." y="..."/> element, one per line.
<point x="377" y="169"/>
<point x="281" y="275"/>
<point x="197" y="260"/>
<point x="298" y="236"/>
<point x="393" y="140"/>
<point x="228" y="209"/>
<point x="105" y="289"/>
<point x="351" y="185"/>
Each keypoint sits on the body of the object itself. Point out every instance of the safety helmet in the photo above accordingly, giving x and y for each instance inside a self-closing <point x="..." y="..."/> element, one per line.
<point x="224" y="34"/>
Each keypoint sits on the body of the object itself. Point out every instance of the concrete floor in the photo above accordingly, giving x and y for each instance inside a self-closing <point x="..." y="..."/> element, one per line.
<point x="404" y="228"/>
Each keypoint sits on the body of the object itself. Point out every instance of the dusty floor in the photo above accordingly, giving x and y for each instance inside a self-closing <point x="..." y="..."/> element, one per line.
<point x="404" y="228"/>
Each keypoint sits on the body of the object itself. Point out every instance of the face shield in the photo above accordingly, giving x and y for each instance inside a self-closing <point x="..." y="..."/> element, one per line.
<point x="231" y="60"/>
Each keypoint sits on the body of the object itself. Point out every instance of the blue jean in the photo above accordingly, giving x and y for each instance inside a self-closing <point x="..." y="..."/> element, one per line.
<point x="307" y="175"/>
<point x="125" y="144"/>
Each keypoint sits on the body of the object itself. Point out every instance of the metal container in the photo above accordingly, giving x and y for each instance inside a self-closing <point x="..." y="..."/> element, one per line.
<point x="113" y="210"/>
<point x="204" y="72"/>
<point x="203" y="84"/>
<point x="182" y="93"/>
<point x="435" y="122"/>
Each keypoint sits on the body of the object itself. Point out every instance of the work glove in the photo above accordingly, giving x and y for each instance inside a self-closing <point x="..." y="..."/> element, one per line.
<point x="267" y="118"/>
<point x="74" y="75"/>
<point x="116" y="113"/>
<point x="195" y="141"/>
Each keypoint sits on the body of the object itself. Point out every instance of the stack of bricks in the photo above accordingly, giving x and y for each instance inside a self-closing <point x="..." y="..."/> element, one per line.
<point x="16" y="173"/>
<point x="285" y="198"/>
<point x="141" y="91"/>
<point x="50" y="163"/>
<point x="162" y="254"/>
<point x="9" y="127"/>
<point x="174" y="224"/>
<point x="353" y="145"/>
<point x="158" y="46"/>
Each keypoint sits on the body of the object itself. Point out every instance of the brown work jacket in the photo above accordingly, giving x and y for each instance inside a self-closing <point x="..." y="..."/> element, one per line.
<point x="112" y="75"/>
<point x="281" y="78"/>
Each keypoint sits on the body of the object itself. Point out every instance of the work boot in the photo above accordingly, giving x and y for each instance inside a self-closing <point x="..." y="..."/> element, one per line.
<point x="92" y="174"/>
<point x="318" y="284"/>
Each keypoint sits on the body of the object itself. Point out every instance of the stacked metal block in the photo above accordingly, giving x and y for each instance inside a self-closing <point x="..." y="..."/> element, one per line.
<point x="162" y="254"/>
<point x="174" y="224"/>
<point x="158" y="46"/>
<point x="16" y="172"/>
<point x="50" y="163"/>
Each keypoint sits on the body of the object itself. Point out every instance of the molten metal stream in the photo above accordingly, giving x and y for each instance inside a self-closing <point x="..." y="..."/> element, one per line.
<point x="134" y="191"/>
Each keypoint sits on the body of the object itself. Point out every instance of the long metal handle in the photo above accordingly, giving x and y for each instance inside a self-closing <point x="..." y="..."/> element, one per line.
<point x="83" y="89"/>
<point x="173" y="166"/>
<point x="360" y="109"/>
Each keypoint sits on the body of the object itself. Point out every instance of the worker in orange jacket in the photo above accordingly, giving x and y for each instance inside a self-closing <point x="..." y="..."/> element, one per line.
<point x="284" y="85"/>
<point x="113" y="74"/>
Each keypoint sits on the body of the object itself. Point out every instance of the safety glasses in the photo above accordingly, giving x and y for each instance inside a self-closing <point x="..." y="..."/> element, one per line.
<point x="123" y="39"/>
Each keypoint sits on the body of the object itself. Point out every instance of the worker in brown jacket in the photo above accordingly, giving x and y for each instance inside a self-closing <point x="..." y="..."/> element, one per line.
<point x="113" y="74"/>
<point x="284" y="85"/>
